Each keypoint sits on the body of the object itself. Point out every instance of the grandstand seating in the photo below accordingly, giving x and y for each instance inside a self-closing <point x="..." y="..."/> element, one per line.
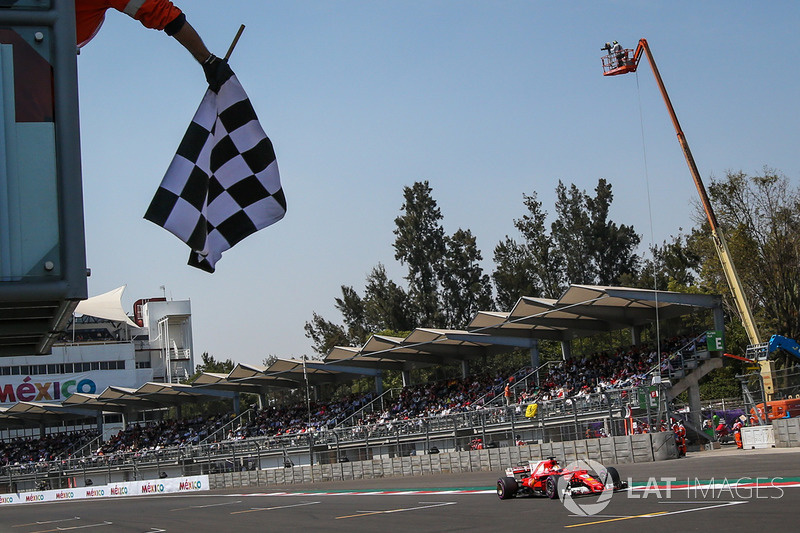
<point x="564" y="387"/>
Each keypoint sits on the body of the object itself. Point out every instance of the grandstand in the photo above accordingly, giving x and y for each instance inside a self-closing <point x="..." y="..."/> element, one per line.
<point x="596" y="394"/>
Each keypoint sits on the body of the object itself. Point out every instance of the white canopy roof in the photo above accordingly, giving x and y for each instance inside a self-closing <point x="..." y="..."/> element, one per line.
<point x="108" y="306"/>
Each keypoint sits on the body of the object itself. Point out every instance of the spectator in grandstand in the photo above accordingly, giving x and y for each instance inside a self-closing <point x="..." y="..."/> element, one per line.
<point x="31" y="451"/>
<point x="574" y="380"/>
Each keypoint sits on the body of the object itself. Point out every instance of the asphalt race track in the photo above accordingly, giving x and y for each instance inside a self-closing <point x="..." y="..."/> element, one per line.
<point x="460" y="502"/>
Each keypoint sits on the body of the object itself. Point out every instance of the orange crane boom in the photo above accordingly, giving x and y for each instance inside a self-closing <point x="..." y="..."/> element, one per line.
<point x="627" y="60"/>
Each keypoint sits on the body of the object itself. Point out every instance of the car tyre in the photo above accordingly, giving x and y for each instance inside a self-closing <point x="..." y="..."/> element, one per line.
<point x="615" y="479"/>
<point x="507" y="488"/>
<point x="551" y="487"/>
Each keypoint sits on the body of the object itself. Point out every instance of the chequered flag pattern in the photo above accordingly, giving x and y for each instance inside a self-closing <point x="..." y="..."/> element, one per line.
<point x="223" y="183"/>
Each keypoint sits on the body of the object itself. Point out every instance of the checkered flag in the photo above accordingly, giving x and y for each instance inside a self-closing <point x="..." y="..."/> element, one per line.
<point x="223" y="183"/>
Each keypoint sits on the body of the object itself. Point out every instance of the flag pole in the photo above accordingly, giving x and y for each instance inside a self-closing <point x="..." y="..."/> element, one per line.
<point x="235" y="40"/>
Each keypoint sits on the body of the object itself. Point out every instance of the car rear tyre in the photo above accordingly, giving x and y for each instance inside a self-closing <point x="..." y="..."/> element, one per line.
<point x="507" y="488"/>
<point x="551" y="487"/>
<point x="614" y="476"/>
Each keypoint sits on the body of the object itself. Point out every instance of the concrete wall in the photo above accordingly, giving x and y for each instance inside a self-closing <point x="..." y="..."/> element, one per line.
<point x="787" y="432"/>
<point x="612" y="450"/>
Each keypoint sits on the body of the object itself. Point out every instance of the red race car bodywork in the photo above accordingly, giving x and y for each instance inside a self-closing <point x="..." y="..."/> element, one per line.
<point x="547" y="478"/>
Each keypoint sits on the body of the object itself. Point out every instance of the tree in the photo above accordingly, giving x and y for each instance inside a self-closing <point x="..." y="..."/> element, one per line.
<point x="570" y="234"/>
<point x="420" y="245"/>
<point x="673" y="266"/>
<point x="529" y="268"/>
<point x="209" y="364"/>
<point x="722" y="383"/>
<point x="446" y="284"/>
<point x="208" y="406"/>
<point x="541" y="249"/>
<point x="513" y="276"/>
<point x="611" y="247"/>
<point x="385" y="303"/>
<point x="583" y="246"/>
<point x="324" y="334"/>
<point x="465" y="288"/>
<point x="383" y="307"/>
<point x="352" y="308"/>
<point x="760" y="217"/>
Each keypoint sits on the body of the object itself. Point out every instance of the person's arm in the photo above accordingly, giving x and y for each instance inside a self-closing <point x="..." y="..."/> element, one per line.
<point x="192" y="41"/>
<point x="164" y="15"/>
<point x="216" y="70"/>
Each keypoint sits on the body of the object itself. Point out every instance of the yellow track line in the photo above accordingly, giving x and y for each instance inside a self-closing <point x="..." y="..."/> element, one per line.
<point x="618" y="519"/>
<point x="362" y="514"/>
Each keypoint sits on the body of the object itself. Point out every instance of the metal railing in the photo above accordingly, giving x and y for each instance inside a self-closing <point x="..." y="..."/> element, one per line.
<point x="498" y="399"/>
<point x="234" y="425"/>
<point x="87" y="448"/>
<point x="377" y="404"/>
<point x="684" y="359"/>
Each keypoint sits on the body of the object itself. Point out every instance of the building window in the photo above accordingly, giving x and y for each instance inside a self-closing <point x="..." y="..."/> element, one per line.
<point x="66" y="368"/>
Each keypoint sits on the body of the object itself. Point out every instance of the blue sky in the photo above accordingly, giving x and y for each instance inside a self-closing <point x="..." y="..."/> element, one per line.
<point x="485" y="99"/>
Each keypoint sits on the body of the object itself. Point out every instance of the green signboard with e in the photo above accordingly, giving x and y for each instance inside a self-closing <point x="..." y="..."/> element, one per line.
<point x="714" y="341"/>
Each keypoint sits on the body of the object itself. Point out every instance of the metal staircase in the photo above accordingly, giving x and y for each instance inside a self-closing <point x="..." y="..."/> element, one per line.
<point x="687" y="366"/>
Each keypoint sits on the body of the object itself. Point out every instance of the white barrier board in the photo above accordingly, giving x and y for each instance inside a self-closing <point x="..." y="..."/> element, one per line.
<point x="758" y="437"/>
<point x="114" y="490"/>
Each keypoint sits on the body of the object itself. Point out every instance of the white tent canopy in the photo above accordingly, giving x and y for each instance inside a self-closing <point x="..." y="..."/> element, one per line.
<point x="107" y="306"/>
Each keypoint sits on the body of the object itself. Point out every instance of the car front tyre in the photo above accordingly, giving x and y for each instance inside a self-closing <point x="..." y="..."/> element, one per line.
<point x="614" y="476"/>
<point x="551" y="487"/>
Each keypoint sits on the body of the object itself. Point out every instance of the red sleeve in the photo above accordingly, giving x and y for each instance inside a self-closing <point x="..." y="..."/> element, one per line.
<point x="155" y="14"/>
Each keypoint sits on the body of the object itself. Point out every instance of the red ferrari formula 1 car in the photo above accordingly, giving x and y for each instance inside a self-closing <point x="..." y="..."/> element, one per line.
<point x="546" y="478"/>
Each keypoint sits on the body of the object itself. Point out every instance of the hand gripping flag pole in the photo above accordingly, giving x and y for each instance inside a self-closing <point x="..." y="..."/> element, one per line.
<point x="223" y="183"/>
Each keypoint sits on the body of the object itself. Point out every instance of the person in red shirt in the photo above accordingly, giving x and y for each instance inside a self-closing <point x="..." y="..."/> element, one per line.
<point x="154" y="14"/>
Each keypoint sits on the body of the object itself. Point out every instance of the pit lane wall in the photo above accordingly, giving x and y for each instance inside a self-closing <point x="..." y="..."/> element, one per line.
<point x="613" y="450"/>
<point x="114" y="490"/>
